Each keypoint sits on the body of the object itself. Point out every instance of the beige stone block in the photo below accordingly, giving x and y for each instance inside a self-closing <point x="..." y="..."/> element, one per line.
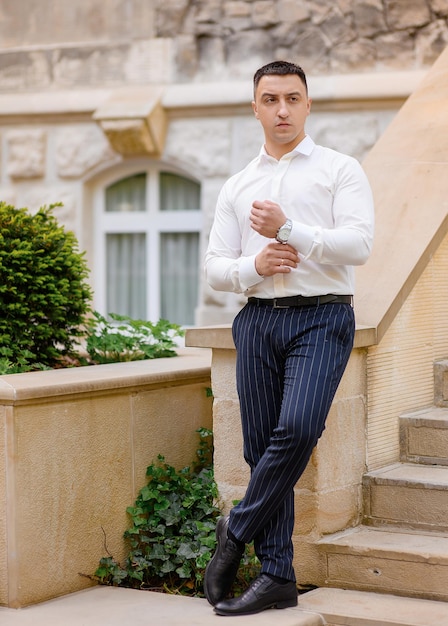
<point x="157" y="415"/>
<point x="73" y="479"/>
<point x="223" y="374"/>
<point x="94" y="64"/>
<point x="236" y="8"/>
<point x="121" y="20"/>
<point x="134" y="121"/>
<point x="305" y="511"/>
<point x="292" y="11"/>
<point x="308" y="478"/>
<point x="369" y="18"/>
<point x="24" y="69"/>
<point x="428" y="442"/>
<point x="229" y="461"/>
<point x="264" y="13"/>
<point x="354" y="380"/>
<point x="341" y="454"/>
<point x="413" y="506"/>
<point x="373" y="573"/>
<point x="229" y="495"/>
<point x="338" y="509"/>
<point x="149" y="61"/>
<point x="401" y="15"/>
<point x="129" y="137"/>
<point x="309" y="564"/>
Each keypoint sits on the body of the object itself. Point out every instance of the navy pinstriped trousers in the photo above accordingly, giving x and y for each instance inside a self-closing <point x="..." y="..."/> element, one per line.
<point x="289" y="364"/>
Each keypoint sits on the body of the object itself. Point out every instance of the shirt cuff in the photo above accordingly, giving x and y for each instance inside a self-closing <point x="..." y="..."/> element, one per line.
<point x="304" y="238"/>
<point x="248" y="274"/>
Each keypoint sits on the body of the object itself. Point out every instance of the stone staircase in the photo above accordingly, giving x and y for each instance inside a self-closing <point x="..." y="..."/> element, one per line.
<point x="401" y="547"/>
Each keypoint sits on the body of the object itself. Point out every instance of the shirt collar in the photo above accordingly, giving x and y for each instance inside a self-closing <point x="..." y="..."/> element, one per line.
<point x="305" y="147"/>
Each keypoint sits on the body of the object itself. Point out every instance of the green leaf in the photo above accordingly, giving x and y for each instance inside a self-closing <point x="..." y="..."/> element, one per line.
<point x="185" y="551"/>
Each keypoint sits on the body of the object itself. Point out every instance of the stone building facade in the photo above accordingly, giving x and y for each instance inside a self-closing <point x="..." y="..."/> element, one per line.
<point x="96" y="93"/>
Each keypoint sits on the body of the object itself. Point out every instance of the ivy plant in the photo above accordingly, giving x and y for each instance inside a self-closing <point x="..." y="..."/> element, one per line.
<point x="172" y="535"/>
<point x="172" y="531"/>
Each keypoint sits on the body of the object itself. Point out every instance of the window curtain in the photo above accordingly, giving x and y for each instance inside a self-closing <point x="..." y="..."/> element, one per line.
<point x="179" y="262"/>
<point x="126" y="253"/>
<point x="127" y="195"/>
<point x="179" y="252"/>
<point x="126" y="274"/>
<point x="178" y="193"/>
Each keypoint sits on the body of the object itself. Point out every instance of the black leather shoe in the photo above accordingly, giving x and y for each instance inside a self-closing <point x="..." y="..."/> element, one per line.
<point x="262" y="594"/>
<point x="223" y="566"/>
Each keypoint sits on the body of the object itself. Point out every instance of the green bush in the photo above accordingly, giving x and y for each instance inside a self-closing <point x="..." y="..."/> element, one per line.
<point x="44" y="294"/>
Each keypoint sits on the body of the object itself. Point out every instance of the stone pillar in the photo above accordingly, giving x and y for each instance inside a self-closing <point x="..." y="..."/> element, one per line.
<point x="328" y="495"/>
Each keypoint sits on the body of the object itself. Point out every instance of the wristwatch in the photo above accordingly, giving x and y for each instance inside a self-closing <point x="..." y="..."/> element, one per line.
<point x="284" y="232"/>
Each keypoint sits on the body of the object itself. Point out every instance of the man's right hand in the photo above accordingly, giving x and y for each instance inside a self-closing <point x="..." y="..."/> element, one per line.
<point x="276" y="258"/>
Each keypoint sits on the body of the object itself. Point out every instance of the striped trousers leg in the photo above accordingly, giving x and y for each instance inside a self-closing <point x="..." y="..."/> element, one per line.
<point x="289" y="365"/>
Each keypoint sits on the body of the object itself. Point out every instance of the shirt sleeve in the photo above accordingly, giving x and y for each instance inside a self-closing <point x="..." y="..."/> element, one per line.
<point x="349" y="241"/>
<point x="225" y="268"/>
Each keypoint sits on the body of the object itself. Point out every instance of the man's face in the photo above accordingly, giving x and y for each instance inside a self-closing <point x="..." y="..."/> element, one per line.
<point x="282" y="106"/>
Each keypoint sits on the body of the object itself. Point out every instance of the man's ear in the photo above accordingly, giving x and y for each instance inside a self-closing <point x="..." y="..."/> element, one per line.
<point x="254" y="109"/>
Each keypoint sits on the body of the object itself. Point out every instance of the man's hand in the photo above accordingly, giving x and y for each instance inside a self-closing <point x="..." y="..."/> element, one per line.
<point x="266" y="218"/>
<point x="276" y="258"/>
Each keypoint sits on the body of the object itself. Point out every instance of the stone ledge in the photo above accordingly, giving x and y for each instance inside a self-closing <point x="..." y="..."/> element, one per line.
<point x="189" y="365"/>
<point x="323" y="89"/>
<point x="220" y="337"/>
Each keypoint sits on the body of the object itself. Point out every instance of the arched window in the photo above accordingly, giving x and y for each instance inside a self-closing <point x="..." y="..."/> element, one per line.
<point x="148" y="227"/>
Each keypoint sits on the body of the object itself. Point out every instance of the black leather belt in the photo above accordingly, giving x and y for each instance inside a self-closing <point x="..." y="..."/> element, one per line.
<point x="284" y="303"/>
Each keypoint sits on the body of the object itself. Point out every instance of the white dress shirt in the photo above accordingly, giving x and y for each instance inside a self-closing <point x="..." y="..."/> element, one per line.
<point x="327" y="196"/>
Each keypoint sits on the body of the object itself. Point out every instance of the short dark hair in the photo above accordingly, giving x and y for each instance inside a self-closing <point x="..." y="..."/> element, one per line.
<point x="279" y="68"/>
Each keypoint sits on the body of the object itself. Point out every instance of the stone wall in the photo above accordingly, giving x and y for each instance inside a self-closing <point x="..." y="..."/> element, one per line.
<point x="75" y="445"/>
<point x="47" y="45"/>
<point x="324" y="36"/>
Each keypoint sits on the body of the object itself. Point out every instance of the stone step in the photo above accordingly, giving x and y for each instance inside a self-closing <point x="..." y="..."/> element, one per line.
<point x="407" y="495"/>
<point x="343" y="607"/>
<point x="424" y="436"/>
<point x="406" y="563"/>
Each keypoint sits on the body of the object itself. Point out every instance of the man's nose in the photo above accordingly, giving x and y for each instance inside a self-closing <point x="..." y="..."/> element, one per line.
<point x="283" y="109"/>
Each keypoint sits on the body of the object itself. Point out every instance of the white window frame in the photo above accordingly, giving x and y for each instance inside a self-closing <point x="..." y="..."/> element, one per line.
<point x="152" y="222"/>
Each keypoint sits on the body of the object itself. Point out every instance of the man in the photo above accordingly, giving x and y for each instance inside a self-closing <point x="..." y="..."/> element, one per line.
<point x="288" y="230"/>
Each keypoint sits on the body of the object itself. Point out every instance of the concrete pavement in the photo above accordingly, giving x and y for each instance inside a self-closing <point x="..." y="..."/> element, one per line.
<point x="112" y="606"/>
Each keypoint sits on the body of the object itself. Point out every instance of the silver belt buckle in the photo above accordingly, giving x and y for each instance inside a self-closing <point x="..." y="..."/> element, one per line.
<point x="280" y="306"/>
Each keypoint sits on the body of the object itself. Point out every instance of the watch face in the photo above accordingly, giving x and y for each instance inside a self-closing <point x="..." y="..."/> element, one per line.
<point x="284" y="232"/>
